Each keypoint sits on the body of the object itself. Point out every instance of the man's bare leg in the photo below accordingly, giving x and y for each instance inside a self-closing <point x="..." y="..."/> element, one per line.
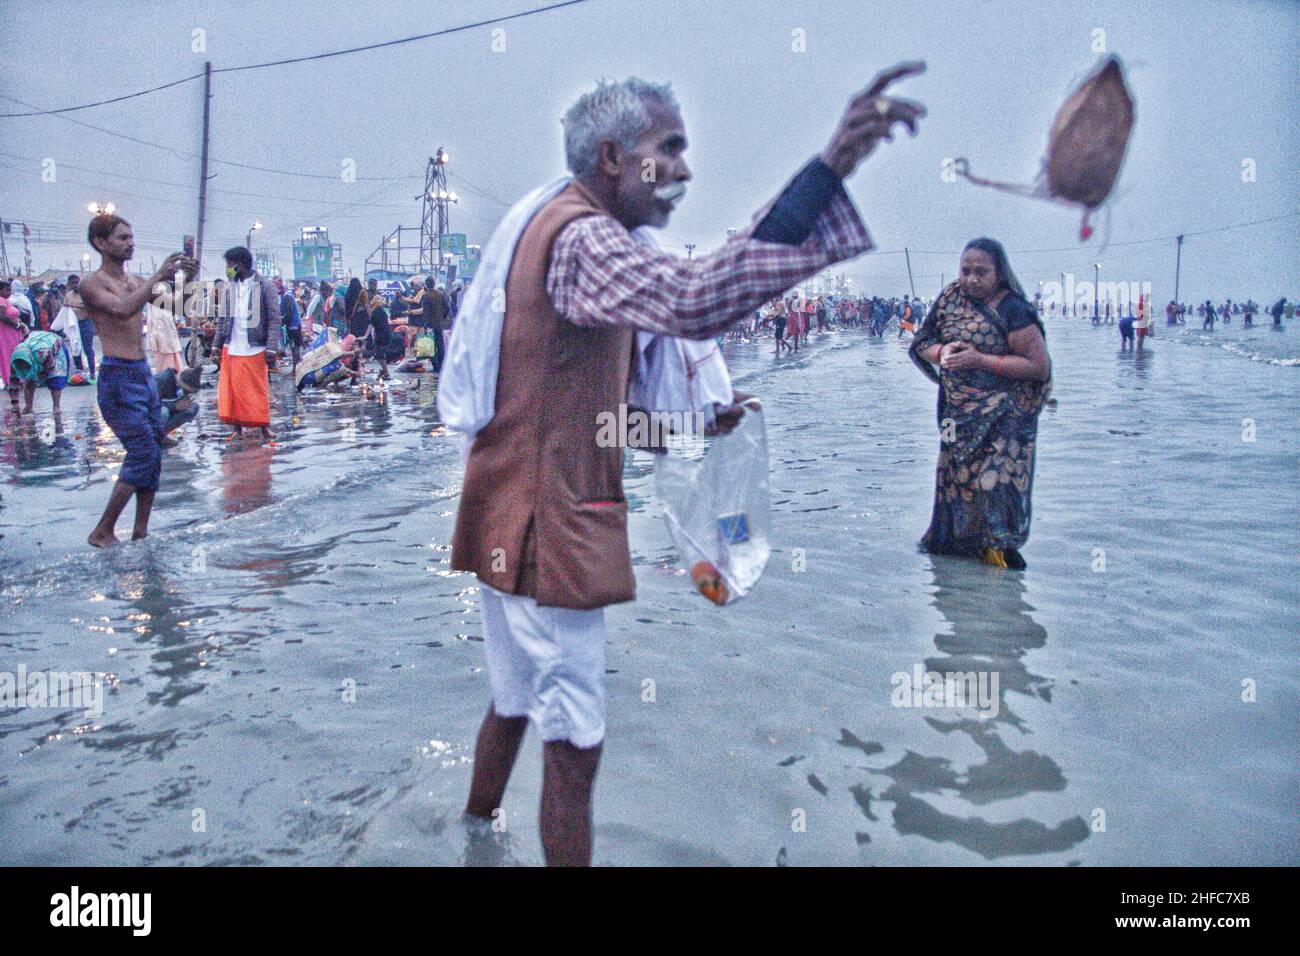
<point x="29" y="393"/>
<point x="568" y="776"/>
<point x="103" y="536"/>
<point x="494" y="758"/>
<point x="143" y="505"/>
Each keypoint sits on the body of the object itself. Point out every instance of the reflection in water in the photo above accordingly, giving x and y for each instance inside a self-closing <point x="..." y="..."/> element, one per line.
<point x="1141" y="365"/>
<point x="246" y="479"/>
<point x="33" y="445"/>
<point x="158" y="611"/>
<point x="992" y="631"/>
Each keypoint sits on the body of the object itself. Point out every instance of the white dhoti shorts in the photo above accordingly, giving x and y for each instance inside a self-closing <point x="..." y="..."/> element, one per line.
<point x="546" y="664"/>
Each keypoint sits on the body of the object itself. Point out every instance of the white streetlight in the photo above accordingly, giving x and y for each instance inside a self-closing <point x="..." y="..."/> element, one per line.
<point x="101" y="208"/>
<point x="254" y="226"/>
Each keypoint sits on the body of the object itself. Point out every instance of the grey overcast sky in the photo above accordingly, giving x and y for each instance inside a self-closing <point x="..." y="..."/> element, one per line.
<point x="1215" y="85"/>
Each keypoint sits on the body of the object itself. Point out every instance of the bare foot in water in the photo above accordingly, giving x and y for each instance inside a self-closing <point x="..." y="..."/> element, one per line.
<point x="101" y="539"/>
<point x="268" y="435"/>
<point x="139" y="535"/>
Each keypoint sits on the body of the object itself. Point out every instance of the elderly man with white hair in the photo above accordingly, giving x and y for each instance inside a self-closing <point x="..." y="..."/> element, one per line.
<point x="544" y="350"/>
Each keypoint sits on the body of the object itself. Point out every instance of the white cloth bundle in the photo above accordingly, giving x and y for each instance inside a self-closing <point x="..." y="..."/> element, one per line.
<point x="66" y="323"/>
<point x="678" y="375"/>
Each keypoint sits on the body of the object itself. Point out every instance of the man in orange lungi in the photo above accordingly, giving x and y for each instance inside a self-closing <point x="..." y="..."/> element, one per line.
<point x="247" y="342"/>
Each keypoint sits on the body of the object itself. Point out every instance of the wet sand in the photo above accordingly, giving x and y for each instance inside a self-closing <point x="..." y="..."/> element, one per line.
<point x="275" y="576"/>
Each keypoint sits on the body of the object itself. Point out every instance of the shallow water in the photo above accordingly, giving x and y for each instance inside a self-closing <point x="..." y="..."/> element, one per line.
<point x="276" y="576"/>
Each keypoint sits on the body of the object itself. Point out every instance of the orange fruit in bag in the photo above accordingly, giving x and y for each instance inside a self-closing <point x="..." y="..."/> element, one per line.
<point x="709" y="582"/>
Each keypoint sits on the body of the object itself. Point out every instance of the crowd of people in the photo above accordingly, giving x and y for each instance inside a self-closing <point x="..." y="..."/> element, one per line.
<point x="387" y="324"/>
<point x="408" y="319"/>
<point x="407" y="324"/>
<point x="1176" y="312"/>
<point x="791" y="318"/>
<point x="1136" y="321"/>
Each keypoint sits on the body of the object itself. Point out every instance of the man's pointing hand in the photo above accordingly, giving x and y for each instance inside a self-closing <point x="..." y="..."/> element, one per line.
<point x="870" y="118"/>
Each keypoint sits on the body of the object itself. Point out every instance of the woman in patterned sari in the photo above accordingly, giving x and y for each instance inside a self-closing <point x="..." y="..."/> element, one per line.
<point x="983" y="344"/>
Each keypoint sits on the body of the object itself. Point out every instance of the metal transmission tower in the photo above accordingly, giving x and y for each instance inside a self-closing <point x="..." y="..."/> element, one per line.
<point x="433" y="219"/>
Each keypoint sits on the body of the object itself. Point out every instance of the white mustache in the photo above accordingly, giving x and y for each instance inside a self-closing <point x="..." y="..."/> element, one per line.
<point x="671" y="193"/>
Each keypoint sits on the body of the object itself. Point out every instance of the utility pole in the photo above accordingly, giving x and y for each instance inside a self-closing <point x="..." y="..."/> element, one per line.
<point x="203" y="170"/>
<point x="4" y="253"/>
<point x="1178" y="268"/>
<point x="908" y="255"/>
<point x="690" y="249"/>
<point x="1096" y="295"/>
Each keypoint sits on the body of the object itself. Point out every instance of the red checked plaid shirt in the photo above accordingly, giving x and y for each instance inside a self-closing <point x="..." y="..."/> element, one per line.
<point x="601" y="275"/>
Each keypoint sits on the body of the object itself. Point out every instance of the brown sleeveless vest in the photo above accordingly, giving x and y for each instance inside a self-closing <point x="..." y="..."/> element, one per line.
<point x="542" y="512"/>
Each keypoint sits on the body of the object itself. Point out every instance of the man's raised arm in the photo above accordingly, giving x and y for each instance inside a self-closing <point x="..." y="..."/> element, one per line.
<point x="601" y="275"/>
<point x="100" y="298"/>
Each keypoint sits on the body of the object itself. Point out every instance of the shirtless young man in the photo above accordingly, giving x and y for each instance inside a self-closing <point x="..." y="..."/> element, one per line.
<point x="126" y="391"/>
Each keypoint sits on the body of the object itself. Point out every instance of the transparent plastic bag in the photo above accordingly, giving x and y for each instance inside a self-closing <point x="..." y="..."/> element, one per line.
<point x="715" y="498"/>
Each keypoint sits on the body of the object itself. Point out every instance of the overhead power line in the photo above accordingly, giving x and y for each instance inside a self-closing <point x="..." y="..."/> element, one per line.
<point x="218" y="189"/>
<point x="176" y="152"/>
<point x="1127" y="242"/>
<point x="115" y="99"/>
<point x="36" y="111"/>
<point x="388" y="43"/>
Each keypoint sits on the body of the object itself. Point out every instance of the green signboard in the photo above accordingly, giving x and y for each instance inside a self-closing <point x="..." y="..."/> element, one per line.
<point x="454" y="242"/>
<point x="304" y="263"/>
<point x="312" y="259"/>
